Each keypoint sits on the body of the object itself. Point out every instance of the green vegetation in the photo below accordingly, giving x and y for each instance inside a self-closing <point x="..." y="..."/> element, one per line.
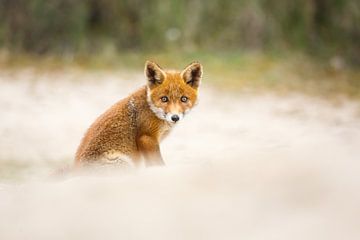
<point x="312" y="46"/>
<point x="323" y="28"/>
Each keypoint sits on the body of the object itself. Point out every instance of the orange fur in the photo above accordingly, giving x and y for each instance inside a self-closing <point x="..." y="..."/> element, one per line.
<point x="132" y="129"/>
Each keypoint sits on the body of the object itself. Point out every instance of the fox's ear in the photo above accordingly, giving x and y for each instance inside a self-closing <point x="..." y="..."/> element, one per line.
<point x="192" y="74"/>
<point x="154" y="74"/>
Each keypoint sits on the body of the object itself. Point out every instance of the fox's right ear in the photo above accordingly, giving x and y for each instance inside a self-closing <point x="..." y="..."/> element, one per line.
<point x="154" y="74"/>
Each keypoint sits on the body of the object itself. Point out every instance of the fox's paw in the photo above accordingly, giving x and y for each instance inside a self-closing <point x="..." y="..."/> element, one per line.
<point x="118" y="159"/>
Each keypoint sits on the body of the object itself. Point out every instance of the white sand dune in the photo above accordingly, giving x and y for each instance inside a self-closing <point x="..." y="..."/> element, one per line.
<point x="238" y="167"/>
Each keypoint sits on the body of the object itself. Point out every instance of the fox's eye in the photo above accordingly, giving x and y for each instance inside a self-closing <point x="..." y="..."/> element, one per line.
<point x="164" y="99"/>
<point x="184" y="99"/>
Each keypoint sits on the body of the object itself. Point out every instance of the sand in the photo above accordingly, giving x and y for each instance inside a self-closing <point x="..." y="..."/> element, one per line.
<point x="239" y="166"/>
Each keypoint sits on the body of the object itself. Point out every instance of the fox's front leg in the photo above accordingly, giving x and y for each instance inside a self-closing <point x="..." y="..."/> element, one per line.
<point x="150" y="149"/>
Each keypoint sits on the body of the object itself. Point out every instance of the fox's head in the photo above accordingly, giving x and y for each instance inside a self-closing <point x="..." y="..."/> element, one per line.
<point x="172" y="94"/>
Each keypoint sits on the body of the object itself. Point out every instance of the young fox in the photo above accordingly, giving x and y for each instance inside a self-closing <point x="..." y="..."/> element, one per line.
<point x="133" y="128"/>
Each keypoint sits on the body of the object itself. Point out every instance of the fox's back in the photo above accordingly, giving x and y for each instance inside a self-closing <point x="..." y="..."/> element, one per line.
<point x="114" y="132"/>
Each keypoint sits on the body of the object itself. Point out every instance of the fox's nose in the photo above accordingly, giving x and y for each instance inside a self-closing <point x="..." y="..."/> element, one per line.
<point x="175" y="118"/>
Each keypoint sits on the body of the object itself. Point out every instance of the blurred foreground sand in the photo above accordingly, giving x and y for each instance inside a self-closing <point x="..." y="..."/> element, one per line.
<point x="238" y="167"/>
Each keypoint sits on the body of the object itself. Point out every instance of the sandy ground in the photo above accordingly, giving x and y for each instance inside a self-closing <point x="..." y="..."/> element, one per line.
<point x="238" y="167"/>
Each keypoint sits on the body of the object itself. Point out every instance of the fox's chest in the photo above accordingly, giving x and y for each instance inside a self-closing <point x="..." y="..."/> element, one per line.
<point x="164" y="130"/>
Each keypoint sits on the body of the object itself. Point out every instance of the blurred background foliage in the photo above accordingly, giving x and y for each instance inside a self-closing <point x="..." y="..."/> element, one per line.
<point x="323" y="28"/>
<point x="307" y="45"/>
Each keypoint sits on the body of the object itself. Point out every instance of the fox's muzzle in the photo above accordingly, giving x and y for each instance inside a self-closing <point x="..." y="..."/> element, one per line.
<point x="174" y="117"/>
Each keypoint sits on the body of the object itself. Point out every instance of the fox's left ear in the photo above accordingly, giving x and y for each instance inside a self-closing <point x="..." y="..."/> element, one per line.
<point x="192" y="74"/>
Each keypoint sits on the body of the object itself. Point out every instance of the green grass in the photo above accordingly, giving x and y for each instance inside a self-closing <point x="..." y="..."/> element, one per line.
<point x="234" y="71"/>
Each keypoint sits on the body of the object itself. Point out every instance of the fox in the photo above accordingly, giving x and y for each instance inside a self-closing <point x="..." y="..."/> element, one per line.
<point x="129" y="132"/>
